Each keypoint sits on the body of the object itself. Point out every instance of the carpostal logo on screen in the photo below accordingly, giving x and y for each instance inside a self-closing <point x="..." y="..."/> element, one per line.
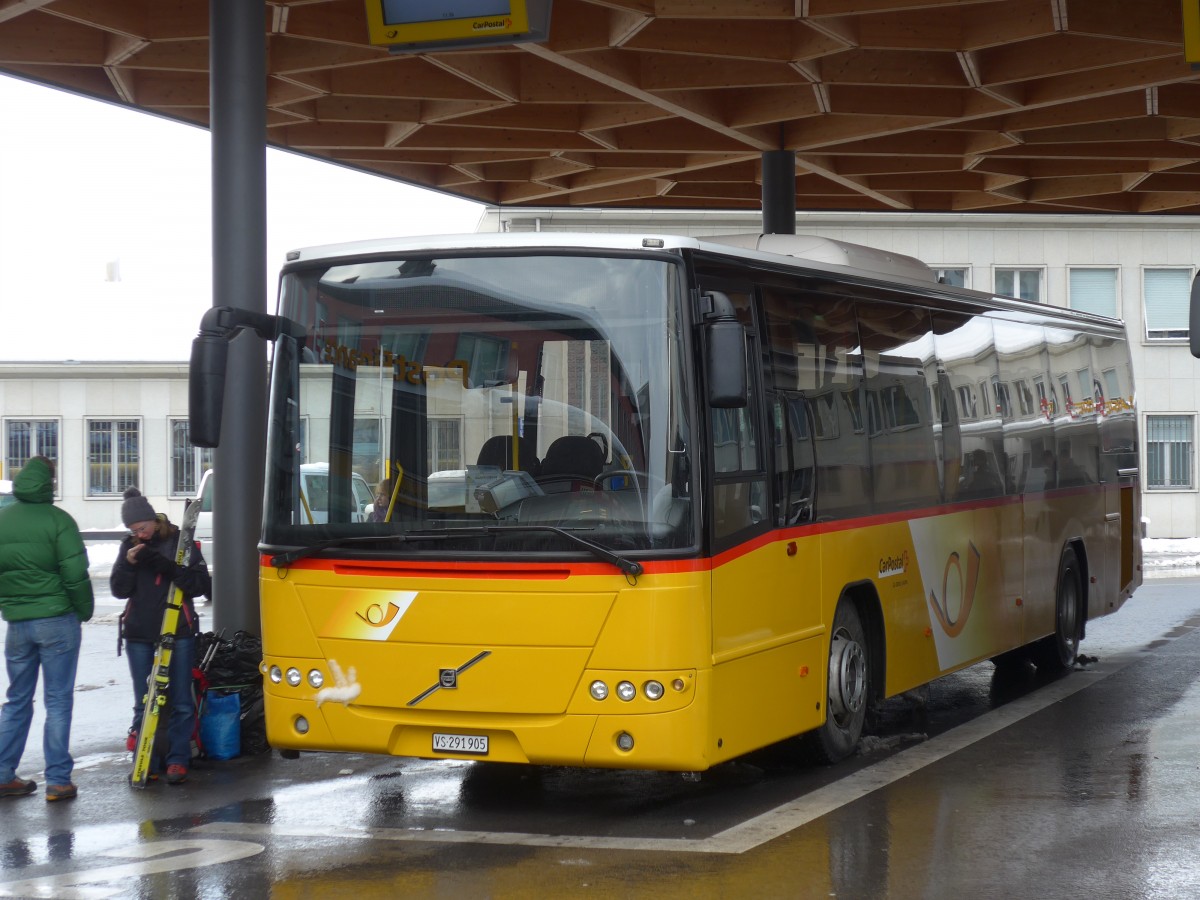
<point x="491" y="25"/>
<point x="891" y="566"/>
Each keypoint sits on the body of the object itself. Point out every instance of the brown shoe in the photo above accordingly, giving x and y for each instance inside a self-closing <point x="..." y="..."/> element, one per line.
<point x="60" y="792"/>
<point x="18" y="787"/>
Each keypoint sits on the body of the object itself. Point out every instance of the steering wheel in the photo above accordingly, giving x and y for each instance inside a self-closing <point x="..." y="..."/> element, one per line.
<point x="635" y="478"/>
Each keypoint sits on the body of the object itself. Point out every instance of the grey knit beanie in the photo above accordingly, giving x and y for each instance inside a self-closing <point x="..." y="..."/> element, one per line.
<point x="136" y="508"/>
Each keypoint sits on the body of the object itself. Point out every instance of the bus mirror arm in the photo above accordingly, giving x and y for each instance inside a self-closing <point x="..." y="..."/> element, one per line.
<point x="227" y="321"/>
<point x="210" y="356"/>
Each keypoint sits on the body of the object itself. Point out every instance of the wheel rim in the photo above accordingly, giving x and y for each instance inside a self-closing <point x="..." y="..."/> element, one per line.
<point x="847" y="676"/>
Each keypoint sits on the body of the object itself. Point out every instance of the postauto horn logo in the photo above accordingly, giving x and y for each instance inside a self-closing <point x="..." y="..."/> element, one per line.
<point x="890" y="566"/>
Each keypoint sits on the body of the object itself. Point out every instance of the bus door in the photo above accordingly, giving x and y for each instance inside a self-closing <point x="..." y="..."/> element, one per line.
<point x="759" y="590"/>
<point x="1117" y="424"/>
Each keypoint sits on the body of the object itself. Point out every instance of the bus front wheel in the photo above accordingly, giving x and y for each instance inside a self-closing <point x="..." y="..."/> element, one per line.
<point x="1057" y="652"/>
<point x="849" y="689"/>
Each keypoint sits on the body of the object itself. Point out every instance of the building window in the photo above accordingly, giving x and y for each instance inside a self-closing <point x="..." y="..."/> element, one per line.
<point x="1023" y="283"/>
<point x="27" y="438"/>
<point x="1094" y="291"/>
<point x="445" y="444"/>
<point x="188" y="462"/>
<point x="1169" y="441"/>
<point x="1165" y="293"/>
<point x="966" y="403"/>
<point x="113" y="455"/>
<point x="955" y="277"/>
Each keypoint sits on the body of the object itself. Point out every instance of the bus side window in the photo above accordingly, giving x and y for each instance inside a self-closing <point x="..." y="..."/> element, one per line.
<point x="793" y="461"/>
<point x="739" y="485"/>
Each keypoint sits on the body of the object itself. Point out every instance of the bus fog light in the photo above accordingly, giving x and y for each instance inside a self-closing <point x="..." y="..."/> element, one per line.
<point x="301" y="725"/>
<point x="678" y="685"/>
<point x="276" y="674"/>
<point x="293" y="676"/>
<point x="315" y="678"/>
<point x="625" y="741"/>
<point x="626" y="691"/>
<point x="653" y="690"/>
<point x="598" y="690"/>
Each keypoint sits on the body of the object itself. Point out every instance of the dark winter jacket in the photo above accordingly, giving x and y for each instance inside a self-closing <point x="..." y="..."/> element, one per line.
<point x="43" y="563"/>
<point x="147" y="583"/>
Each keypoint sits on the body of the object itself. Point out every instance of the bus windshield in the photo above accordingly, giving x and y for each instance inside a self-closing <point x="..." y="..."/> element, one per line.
<point x="491" y="403"/>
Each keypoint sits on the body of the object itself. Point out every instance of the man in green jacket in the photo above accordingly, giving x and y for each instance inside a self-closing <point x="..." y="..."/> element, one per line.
<point x="44" y="596"/>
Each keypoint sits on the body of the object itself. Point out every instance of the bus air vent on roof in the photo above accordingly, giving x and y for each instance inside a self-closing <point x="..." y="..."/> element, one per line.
<point x="828" y="250"/>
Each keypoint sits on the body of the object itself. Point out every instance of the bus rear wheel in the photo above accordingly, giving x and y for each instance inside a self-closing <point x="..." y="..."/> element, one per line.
<point x="1057" y="652"/>
<point x="849" y="689"/>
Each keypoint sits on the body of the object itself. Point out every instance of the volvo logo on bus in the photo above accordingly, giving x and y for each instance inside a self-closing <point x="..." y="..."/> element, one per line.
<point x="893" y="565"/>
<point x="448" y="678"/>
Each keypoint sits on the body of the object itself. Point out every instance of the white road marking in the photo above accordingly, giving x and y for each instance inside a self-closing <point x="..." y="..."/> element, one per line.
<point x="109" y="881"/>
<point x="745" y="835"/>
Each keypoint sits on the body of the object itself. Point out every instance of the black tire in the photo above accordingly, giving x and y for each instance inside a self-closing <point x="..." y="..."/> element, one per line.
<point x="849" y="691"/>
<point x="1057" y="652"/>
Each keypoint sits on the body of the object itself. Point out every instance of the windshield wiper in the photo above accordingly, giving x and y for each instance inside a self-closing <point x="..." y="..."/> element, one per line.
<point x="287" y="557"/>
<point x="628" y="566"/>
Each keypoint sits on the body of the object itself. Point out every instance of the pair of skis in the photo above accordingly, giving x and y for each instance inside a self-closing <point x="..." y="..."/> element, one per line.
<point x="156" y="687"/>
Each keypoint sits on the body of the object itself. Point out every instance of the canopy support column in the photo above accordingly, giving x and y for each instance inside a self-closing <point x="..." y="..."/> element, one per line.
<point x="238" y="100"/>
<point x="779" y="192"/>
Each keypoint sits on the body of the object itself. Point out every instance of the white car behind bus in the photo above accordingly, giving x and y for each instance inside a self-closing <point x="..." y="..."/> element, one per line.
<point x="315" y="485"/>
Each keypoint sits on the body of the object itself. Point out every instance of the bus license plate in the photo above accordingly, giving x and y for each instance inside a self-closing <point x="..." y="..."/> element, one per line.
<point x="460" y="743"/>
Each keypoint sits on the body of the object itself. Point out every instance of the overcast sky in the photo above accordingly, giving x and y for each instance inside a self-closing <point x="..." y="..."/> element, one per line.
<point x="89" y="190"/>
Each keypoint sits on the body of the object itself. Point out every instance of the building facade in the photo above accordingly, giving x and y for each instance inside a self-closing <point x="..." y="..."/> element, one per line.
<point x="109" y="426"/>
<point x="112" y="425"/>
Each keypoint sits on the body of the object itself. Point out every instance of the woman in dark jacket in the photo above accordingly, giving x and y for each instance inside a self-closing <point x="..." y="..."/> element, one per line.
<point x="143" y="573"/>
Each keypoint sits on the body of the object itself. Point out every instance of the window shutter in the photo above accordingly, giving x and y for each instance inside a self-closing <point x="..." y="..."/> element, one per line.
<point x="1094" y="291"/>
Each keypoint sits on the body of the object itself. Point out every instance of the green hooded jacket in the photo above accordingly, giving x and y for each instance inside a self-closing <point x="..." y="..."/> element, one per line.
<point x="43" y="563"/>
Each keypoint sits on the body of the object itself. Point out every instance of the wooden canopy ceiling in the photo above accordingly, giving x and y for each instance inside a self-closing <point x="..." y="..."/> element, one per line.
<point x="931" y="105"/>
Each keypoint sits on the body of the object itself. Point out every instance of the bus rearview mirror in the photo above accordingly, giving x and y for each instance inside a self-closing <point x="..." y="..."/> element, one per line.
<point x="726" y="364"/>
<point x="1194" y="318"/>
<point x="206" y="389"/>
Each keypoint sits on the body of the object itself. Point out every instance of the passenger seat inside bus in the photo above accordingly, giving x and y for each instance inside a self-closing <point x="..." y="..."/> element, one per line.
<point x="497" y="451"/>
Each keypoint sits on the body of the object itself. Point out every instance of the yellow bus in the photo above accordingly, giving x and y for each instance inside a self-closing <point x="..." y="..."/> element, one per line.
<point x="654" y="502"/>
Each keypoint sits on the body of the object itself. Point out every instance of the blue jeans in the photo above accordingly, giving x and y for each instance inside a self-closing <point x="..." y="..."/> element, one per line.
<point x="53" y="646"/>
<point x="181" y="720"/>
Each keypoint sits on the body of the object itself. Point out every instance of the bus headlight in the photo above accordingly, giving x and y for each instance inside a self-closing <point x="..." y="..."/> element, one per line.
<point x="626" y="691"/>
<point x="293" y="676"/>
<point x="653" y="690"/>
<point x="276" y="674"/>
<point x="598" y="690"/>
<point x="315" y="678"/>
<point x="625" y="741"/>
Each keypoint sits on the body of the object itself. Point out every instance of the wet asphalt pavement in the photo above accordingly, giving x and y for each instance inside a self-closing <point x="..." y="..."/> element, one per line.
<point x="1081" y="786"/>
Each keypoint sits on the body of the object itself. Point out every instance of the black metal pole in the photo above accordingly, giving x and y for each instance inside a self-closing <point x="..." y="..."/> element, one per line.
<point x="779" y="192"/>
<point x="238" y="102"/>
